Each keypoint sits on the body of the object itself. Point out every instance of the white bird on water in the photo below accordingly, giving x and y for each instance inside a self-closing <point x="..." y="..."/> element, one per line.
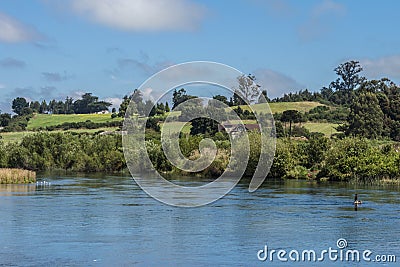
<point x="43" y="183"/>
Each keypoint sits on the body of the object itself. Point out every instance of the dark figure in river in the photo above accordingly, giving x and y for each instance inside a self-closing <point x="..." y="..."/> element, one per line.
<point x="356" y="202"/>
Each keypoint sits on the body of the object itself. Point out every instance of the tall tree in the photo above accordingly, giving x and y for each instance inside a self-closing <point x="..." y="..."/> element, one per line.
<point x="35" y="106"/>
<point x="180" y="96"/>
<point x="19" y="104"/>
<point x="291" y="116"/>
<point x="349" y="79"/>
<point x="366" y="117"/>
<point x="247" y="90"/>
<point x="43" y="107"/>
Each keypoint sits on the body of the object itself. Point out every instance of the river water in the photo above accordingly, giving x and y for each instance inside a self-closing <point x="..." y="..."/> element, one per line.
<point x="109" y="221"/>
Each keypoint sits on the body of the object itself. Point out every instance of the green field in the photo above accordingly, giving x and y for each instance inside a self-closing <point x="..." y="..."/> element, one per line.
<point x="43" y="120"/>
<point x="282" y="106"/>
<point x="326" y="128"/>
<point x="172" y="127"/>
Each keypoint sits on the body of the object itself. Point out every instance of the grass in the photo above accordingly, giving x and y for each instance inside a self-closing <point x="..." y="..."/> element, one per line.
<point x="322" y="127"/>
<point x="172" y="127"/>
<point x="282" y="106"/>
<point x="43" y="120"/>
<point x="17" y="176"/>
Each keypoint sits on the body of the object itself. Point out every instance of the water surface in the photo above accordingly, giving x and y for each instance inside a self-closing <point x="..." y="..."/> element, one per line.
<point x="109" y="221"/>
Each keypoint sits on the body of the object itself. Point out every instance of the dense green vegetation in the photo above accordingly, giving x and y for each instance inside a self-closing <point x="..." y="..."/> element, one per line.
<point x="348" y="131"/>
<point x="68" y="151"/>
<point x="48" y="120"/>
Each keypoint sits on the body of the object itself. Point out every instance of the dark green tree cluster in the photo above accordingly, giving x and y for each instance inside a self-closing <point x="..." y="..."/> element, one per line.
<point x="360" y="160"/>
<point x="302" y="95"/>
<point x="375" y="111"/>
<point x="75" y="152"/>
<point x="141" y="107"/>
<point x="87" y="104"/>
<point x="180" y="96"/>
<point x="337" y="114"/>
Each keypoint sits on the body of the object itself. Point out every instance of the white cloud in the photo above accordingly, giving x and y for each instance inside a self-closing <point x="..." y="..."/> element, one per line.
<point x="2" y="86"/>
<point x="115" y="101"/>
<point x="388" y="66"/>
<point x="141" y="15"/>
<point x="13" y="31"/>
<point x="276" y="83"/>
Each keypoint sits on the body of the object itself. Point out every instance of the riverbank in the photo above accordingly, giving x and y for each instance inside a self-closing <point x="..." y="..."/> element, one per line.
<point x="16" y="176"/>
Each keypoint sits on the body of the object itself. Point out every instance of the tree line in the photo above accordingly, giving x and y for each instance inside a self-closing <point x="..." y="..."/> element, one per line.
<point x="87" y="104"/>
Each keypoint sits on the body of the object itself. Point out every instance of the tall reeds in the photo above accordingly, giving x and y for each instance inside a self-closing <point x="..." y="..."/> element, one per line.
<point x="16" y="176"/>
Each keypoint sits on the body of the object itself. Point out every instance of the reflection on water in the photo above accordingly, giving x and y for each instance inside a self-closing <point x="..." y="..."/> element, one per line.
<point x="14" y="189"/>
<point x="108" y="220"/>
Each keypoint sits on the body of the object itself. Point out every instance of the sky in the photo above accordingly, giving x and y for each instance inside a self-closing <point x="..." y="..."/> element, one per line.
<point x="57" y="48"/>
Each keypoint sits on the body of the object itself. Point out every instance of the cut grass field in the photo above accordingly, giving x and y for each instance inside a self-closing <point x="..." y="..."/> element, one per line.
<point x="43" y="120"/>
<point x="322" y="127"/>
<point x="173" y="127"/>
<point x="282" y="106"/>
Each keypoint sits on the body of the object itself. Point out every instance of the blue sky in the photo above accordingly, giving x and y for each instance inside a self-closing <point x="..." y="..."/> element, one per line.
<point x="53" y="49"/>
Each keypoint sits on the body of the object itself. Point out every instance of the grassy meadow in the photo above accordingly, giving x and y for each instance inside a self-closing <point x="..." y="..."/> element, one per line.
<point x="43" y="120"/>
<point x="322" y="127"/>
<point x="282" y="106"/>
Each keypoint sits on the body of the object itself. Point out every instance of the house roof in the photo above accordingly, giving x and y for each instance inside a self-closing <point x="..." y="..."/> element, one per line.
<point x="230" y="127"/>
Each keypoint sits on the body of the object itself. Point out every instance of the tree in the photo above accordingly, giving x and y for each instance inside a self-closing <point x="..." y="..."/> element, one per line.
<point x="366" y="117"/>
<point x="179" y="97"/>
<point x="348" y="80"/>
<point x="89" y="104"/>
<point x="69" y="105"/>
<point x="221" y="98"/>
<point x="291" y="116"/>
<point x="81" y="106"/>
<point x="5" y="119"/>
<point x="19" y="104"/>
<point x="35" y="106"/>
<point x="124" y="106"/>
<point x="247" y="90"/>
<point x="203" y="125"/>
<point x="43" y="107"/>
<point x="263" y="97"/>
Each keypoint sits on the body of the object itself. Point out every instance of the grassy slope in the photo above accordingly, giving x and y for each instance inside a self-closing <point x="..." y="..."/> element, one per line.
<point x="43" y="120"/>
<point x="282" y="106"/>
<point x="326" y="128"/>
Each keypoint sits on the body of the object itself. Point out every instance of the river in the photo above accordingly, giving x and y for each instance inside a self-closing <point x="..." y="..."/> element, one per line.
<point x="103" y="220"/>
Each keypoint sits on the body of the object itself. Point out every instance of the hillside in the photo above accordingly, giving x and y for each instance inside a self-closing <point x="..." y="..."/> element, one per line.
<point x="280" y="107"/>
<point x="44" y="120"/>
